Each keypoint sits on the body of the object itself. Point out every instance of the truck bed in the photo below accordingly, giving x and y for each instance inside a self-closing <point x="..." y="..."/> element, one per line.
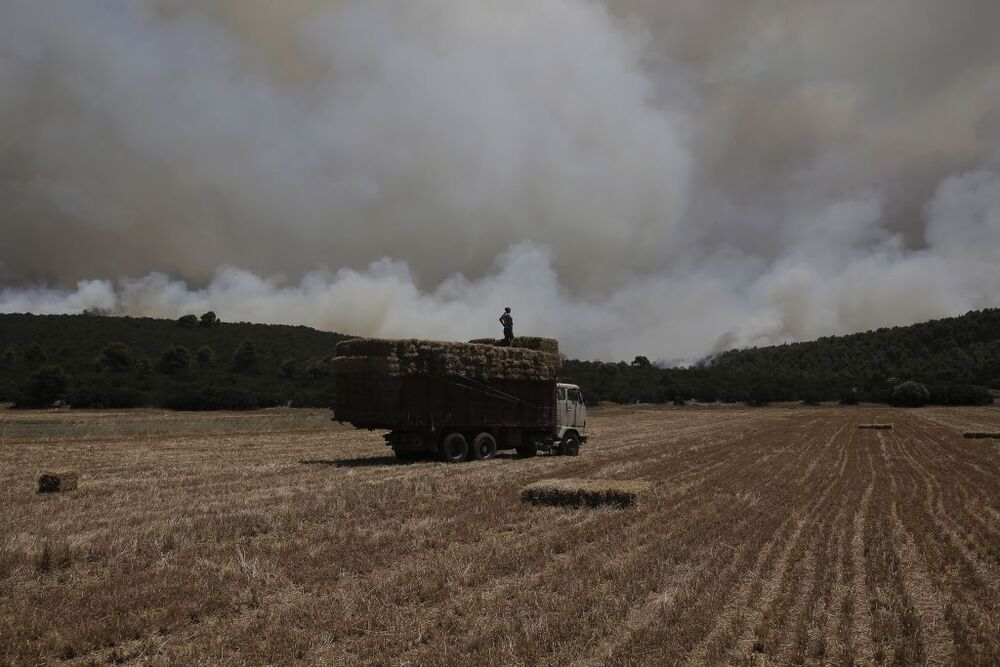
<point x="427" y="402"/>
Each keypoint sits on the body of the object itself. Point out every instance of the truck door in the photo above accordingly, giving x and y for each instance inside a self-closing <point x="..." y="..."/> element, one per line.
<point x="561" y="415"/>
<point x="575" y="409"/>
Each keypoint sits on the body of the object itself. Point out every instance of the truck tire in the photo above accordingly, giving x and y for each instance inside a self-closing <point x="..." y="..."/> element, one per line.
<point x="570" y="445"/>
<point x="484" y="447"/>
<point x="454" y="448"/>
<point x="527" y="450"/>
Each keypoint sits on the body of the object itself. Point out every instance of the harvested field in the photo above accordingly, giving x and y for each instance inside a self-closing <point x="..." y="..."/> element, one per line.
<point x="776" y="535"/>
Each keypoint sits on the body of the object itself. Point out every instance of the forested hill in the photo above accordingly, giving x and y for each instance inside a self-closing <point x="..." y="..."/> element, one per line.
<point x="955" y="358"/>
<point x="200" y="363"/>
<point x="90" y="360"/>
<point x="956" y="349"/>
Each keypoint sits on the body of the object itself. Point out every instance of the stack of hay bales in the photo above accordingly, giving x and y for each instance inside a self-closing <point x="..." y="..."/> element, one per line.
<point x="550" y="345"/>
<point x="393" y="358"/>
<point x="585" y="492"/>
<point x="58" y="482"/>
<point x="369" y="371"/>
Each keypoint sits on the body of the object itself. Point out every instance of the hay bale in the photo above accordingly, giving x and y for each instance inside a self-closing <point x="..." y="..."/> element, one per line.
<point x="982" y="435"/>
<point x="58" y="482"/>
<point x="876" y="427"/>
<point x="537" y="343"/>
<point x="585" y="492"/>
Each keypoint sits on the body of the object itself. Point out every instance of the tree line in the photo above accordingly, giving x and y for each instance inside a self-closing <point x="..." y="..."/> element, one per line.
<point x="199" y="362"/>
<point x="953" y="361"/>
<point x="195" y="363"/>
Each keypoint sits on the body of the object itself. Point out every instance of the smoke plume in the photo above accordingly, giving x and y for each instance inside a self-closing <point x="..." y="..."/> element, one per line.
<point x="664" y="178"/>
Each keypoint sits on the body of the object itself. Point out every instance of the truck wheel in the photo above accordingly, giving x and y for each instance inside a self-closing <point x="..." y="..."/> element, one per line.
<point x="454" y="448"/>
<point x="484" y="447"/>
<point x="527" y="450"/>
<point x="570" y="445"/>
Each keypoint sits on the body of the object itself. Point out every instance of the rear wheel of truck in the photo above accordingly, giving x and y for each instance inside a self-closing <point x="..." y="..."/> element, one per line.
<point x="454" y="448"/>
<point x="484" y="447"/>
<point x="570" y="445"/>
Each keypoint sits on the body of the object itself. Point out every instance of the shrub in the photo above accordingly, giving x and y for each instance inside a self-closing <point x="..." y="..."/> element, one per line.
<point x="174" y="359"/>
<point x="212" y="397"/>
<point x="143" y="367"/>
<point x="849" y="398"/>
<point x="106" y="397"/>
<point x="910" y="394"/>
<point x="115" y="357"/>
<point x="289" y="368"/>
<point x="760" y="396"/>
<point x="9" y="357"/>
<point x="319" y="369"/>
<point x="35" y="353"/>
<point x="245" y="357"/>
<point x="205" y="356"/>
<point x="45" y="387"/>
<point x="962" y="394"/>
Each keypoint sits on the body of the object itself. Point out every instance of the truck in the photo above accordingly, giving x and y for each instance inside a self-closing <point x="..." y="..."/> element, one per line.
<point x="459" y="401"/>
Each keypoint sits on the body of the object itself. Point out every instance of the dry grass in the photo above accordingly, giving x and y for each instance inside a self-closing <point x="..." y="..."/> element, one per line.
<point x="585" y="492"/>
<point x="779" y="535"/>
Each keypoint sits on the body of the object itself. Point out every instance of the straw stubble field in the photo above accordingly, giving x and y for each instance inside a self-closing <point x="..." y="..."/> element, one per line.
<point x="778" y="535"/>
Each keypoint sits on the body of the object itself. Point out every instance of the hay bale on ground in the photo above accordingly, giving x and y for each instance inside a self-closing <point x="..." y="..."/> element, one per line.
<point x="876" y="427"/>
<point x="58" y="482"/>
<point x="585" y="492"/>
<point x="982" y="435"/>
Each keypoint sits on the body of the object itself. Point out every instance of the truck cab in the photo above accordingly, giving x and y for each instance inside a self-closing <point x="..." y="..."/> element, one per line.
<point x="571" y="418"/>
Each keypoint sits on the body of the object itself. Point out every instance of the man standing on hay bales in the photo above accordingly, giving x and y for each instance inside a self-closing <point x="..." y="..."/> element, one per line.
<point x="508" y="327"/>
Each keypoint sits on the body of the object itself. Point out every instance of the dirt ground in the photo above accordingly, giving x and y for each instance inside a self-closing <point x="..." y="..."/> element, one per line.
<point x="779" y="535"/>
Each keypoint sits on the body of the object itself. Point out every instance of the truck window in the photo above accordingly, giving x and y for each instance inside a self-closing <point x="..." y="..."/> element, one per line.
<point x="574" y="395"/>
<point x="561" y="394"/>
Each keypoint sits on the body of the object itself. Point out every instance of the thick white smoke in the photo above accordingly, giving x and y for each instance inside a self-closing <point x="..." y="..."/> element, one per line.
<point x="629" y="178"/>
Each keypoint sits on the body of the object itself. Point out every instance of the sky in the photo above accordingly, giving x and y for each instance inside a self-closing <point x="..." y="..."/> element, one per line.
<point x="661" y="177"/>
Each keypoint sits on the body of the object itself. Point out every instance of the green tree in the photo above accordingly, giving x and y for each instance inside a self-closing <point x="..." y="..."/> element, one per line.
<point x="9" y="357"/>
<point x="115" y="357"/>
<point x="206" y="356"/>
<point x="641" y="362"/>
<point x="910" y="394"/>
<point x="319" y="369"/>
<point x="245" y="356"/>
<point x="209" y="319"/>
<point x="187" y="321"/>
<point x="174" y="360"/>
<point x="289" y="368"/>
<point x="46" y="386"/>
<point x="35" y="354"/>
